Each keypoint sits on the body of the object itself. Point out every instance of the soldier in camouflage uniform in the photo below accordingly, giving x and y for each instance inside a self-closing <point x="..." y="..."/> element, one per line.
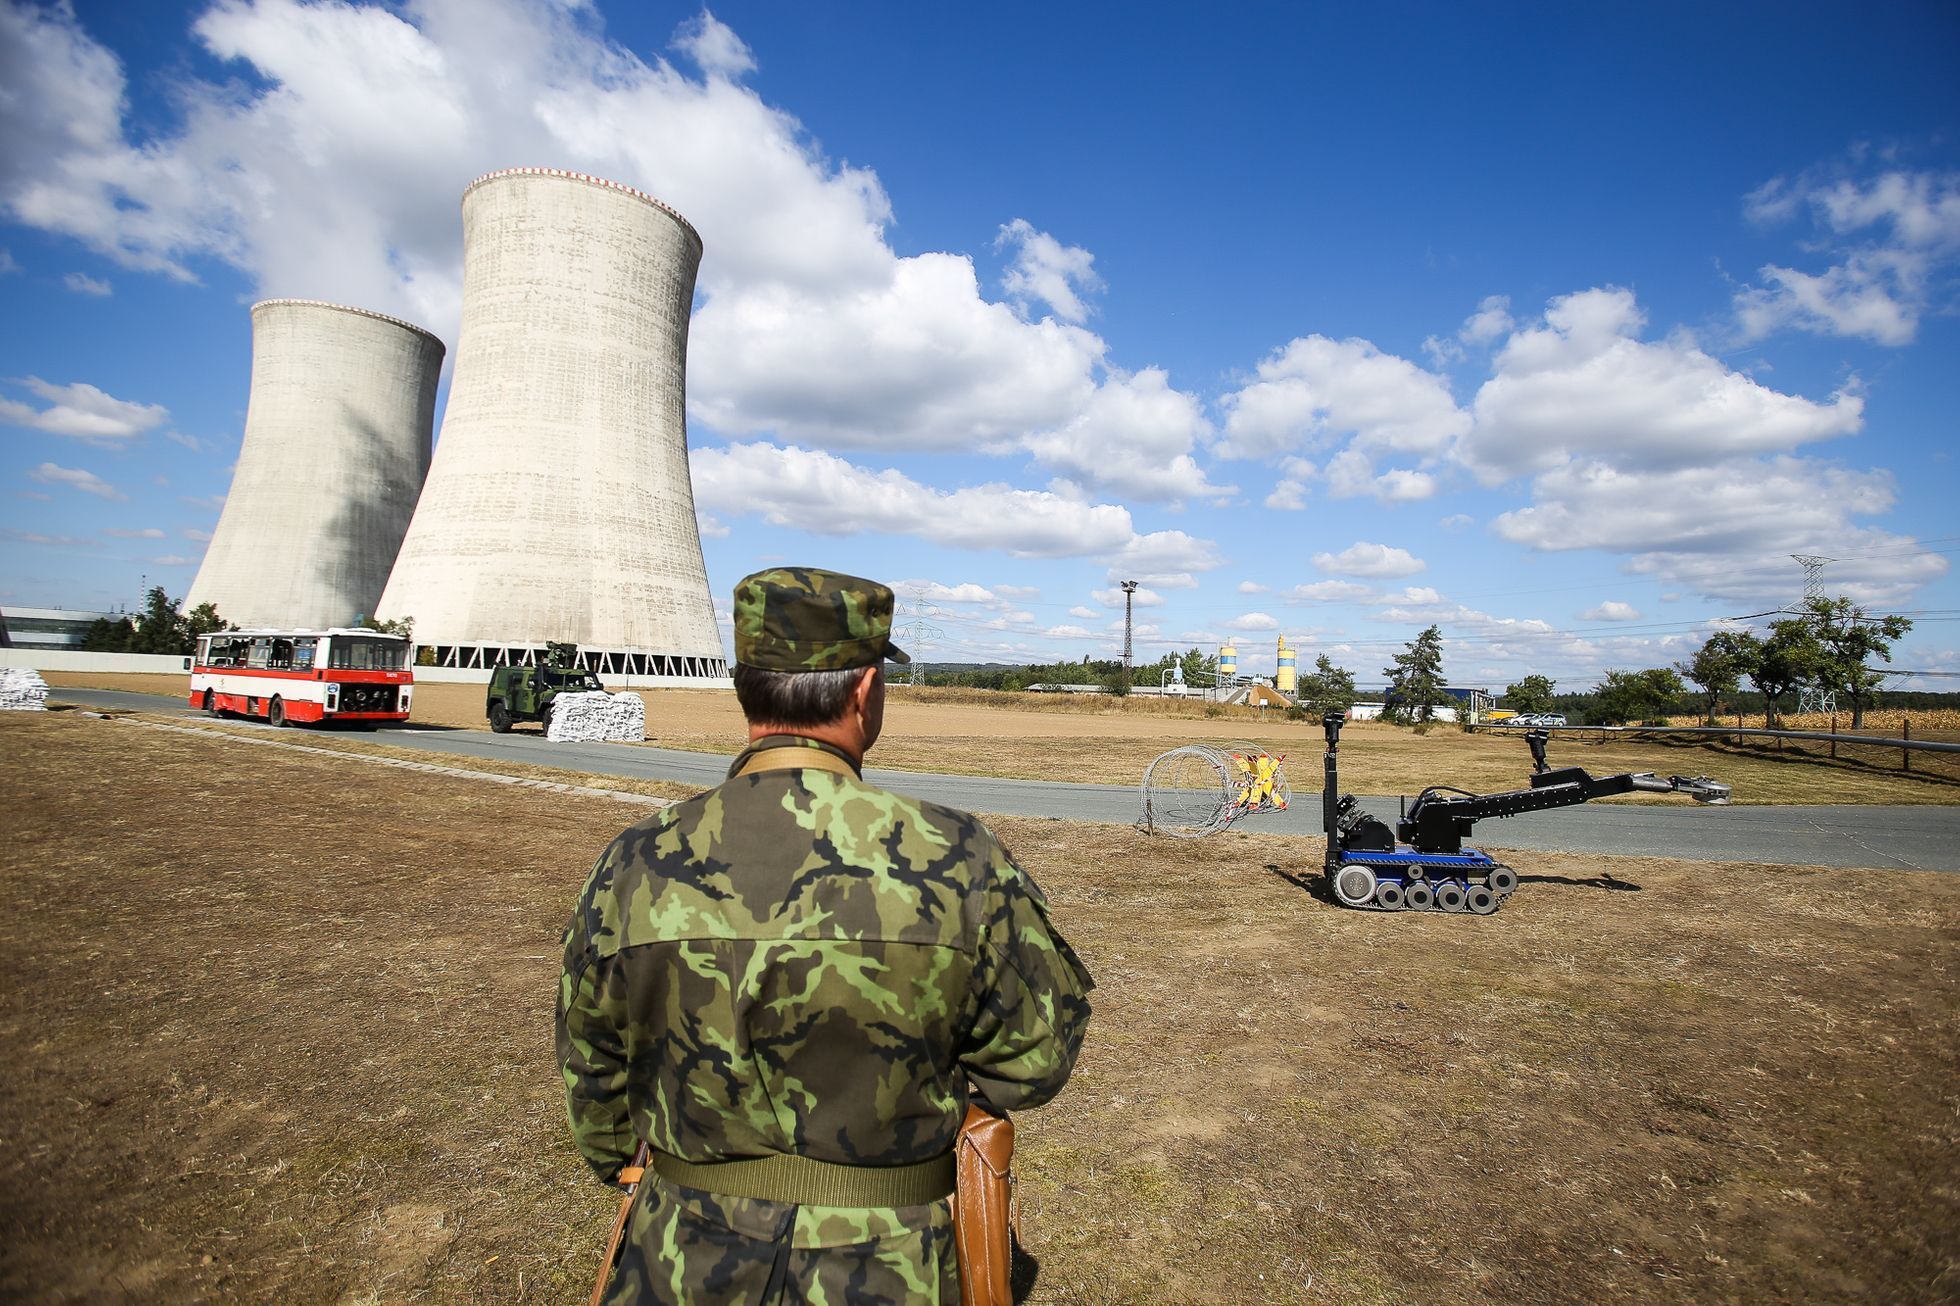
<point x="786" y="986"/>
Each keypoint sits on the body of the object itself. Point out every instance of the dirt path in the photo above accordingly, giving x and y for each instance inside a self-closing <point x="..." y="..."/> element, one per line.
<point x="278" y="1029"/>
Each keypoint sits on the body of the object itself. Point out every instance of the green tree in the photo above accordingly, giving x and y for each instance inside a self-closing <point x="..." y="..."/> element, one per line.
<point x="1791" y="656"/>
<point x="403" y="626"/>
<point x="1635" y="695"/>
<point x="159" y="626"/>
<point x="1532" y="694"/>
<point x="1200" y="668"/>
<point x="106" y="636"/>
<point x="204" y="619"/>
<point x="1327" y="688"/>
<point x="1415" y="681"/>
<point x="1719" y="665"/>
<point x="1849" y="637"/>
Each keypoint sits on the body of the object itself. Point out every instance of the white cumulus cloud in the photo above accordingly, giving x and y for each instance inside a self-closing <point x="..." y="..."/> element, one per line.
<point x="1134" y="437"/>
<point x="82" y="412"/>
<point x="1582" y="384"/>
<point x="1727" y="530"/>
<point x="714" y="47"/>
<point x="1044" y="269"/>
<point x="1491" y="320"/>
<point x="1165" y="559"/>
<point x="826" y="495"/>
<point x="1611" y="610"/>
<point x="1316" y="391"/>
<point x="1289" y="492"/>
<point x="1351" y="474"/>
<point x="1365" y="559"/>
<point x="1896" y="239"/>
<point x="75" y="479"/>
<point x="1331" y="591"/>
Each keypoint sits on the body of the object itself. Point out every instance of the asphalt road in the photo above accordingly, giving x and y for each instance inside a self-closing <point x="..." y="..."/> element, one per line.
<point x="1919" y="837"/>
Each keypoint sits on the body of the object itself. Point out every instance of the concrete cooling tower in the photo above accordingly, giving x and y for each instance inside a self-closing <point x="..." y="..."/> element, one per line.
<point x="336" y="446"/>
<point x="558" y="507"/>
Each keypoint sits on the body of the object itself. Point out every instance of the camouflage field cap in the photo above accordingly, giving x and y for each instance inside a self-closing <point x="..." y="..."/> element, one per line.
<point x="807" y="619"/>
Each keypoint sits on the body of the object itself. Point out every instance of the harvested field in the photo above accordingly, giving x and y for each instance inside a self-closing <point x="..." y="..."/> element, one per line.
<point x="1110" y="741"/>
<point x="278" y="1030"/>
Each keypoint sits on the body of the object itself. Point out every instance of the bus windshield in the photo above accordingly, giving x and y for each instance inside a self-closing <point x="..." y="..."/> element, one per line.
<point x="355" y="653"/>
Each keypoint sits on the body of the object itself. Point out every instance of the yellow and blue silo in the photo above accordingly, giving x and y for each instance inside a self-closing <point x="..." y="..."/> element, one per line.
<point x="1288" y="679"/>
<point x="1228" y="664"/>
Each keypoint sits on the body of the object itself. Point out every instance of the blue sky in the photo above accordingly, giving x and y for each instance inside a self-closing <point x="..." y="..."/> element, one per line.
<point x="1559" y="327"/>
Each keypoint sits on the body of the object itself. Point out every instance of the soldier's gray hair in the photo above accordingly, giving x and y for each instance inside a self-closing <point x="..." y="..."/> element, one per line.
<point x="793" y="698"/>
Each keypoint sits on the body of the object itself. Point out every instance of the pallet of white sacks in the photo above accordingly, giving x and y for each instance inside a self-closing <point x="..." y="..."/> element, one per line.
<point x="22" y="690"/>
<point x="597" y="717"/>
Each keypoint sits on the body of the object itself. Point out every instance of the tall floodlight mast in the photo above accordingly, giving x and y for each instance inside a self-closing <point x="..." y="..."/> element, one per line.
<point x="336" y="446"/>
<point x="558" y="507"/>
<point x="1129" y="599"/>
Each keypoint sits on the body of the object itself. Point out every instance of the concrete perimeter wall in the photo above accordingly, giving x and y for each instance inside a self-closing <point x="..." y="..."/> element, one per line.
<point x="40" y="659"/>
<point x="481" y="676"/>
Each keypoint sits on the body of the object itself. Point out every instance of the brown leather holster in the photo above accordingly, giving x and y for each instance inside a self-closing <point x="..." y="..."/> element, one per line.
<point x="986" y="1219"/>
<point x="629" y="1179"/>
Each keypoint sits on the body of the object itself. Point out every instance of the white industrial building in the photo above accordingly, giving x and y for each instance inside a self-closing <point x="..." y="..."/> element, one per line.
<point x="559" y="506"/>
<point x="49" y="629"/>
<point x="337" y="436"/>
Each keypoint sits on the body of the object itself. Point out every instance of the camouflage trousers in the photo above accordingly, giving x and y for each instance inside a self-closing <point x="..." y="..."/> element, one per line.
<point x="686" y="1246"/>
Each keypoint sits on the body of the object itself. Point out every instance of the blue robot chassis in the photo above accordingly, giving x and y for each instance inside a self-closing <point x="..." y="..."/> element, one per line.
<point x="1422" y="864"/>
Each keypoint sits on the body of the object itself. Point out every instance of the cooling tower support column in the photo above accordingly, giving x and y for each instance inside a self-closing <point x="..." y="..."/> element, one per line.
<point x="336" y="446"/>
<point x="559" y="507"/>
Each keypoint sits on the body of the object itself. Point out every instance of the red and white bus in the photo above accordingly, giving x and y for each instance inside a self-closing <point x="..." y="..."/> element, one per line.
<point x="303" y="675"/>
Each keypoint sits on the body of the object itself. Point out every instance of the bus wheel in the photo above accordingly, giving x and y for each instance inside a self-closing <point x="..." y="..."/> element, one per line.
<point x="210" y="703"/>
<point x="276" y="713"/>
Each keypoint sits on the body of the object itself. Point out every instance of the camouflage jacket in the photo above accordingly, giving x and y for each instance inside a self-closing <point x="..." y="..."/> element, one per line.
<point x="798" y="961"/>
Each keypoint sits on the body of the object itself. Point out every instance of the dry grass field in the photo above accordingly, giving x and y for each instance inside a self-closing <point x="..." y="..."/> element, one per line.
<point x="278" y="1029"/>
<point x="1108" y="741"/>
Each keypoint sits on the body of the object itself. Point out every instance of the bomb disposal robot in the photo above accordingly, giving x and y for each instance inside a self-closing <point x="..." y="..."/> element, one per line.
<point x="1422" y="865"/>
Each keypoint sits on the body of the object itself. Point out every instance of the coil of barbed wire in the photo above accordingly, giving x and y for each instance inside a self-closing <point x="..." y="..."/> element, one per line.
<point x="1200" y="789"/>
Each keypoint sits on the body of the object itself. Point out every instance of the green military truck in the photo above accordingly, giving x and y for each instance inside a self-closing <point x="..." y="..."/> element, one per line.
<point x="525" y="693"/>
